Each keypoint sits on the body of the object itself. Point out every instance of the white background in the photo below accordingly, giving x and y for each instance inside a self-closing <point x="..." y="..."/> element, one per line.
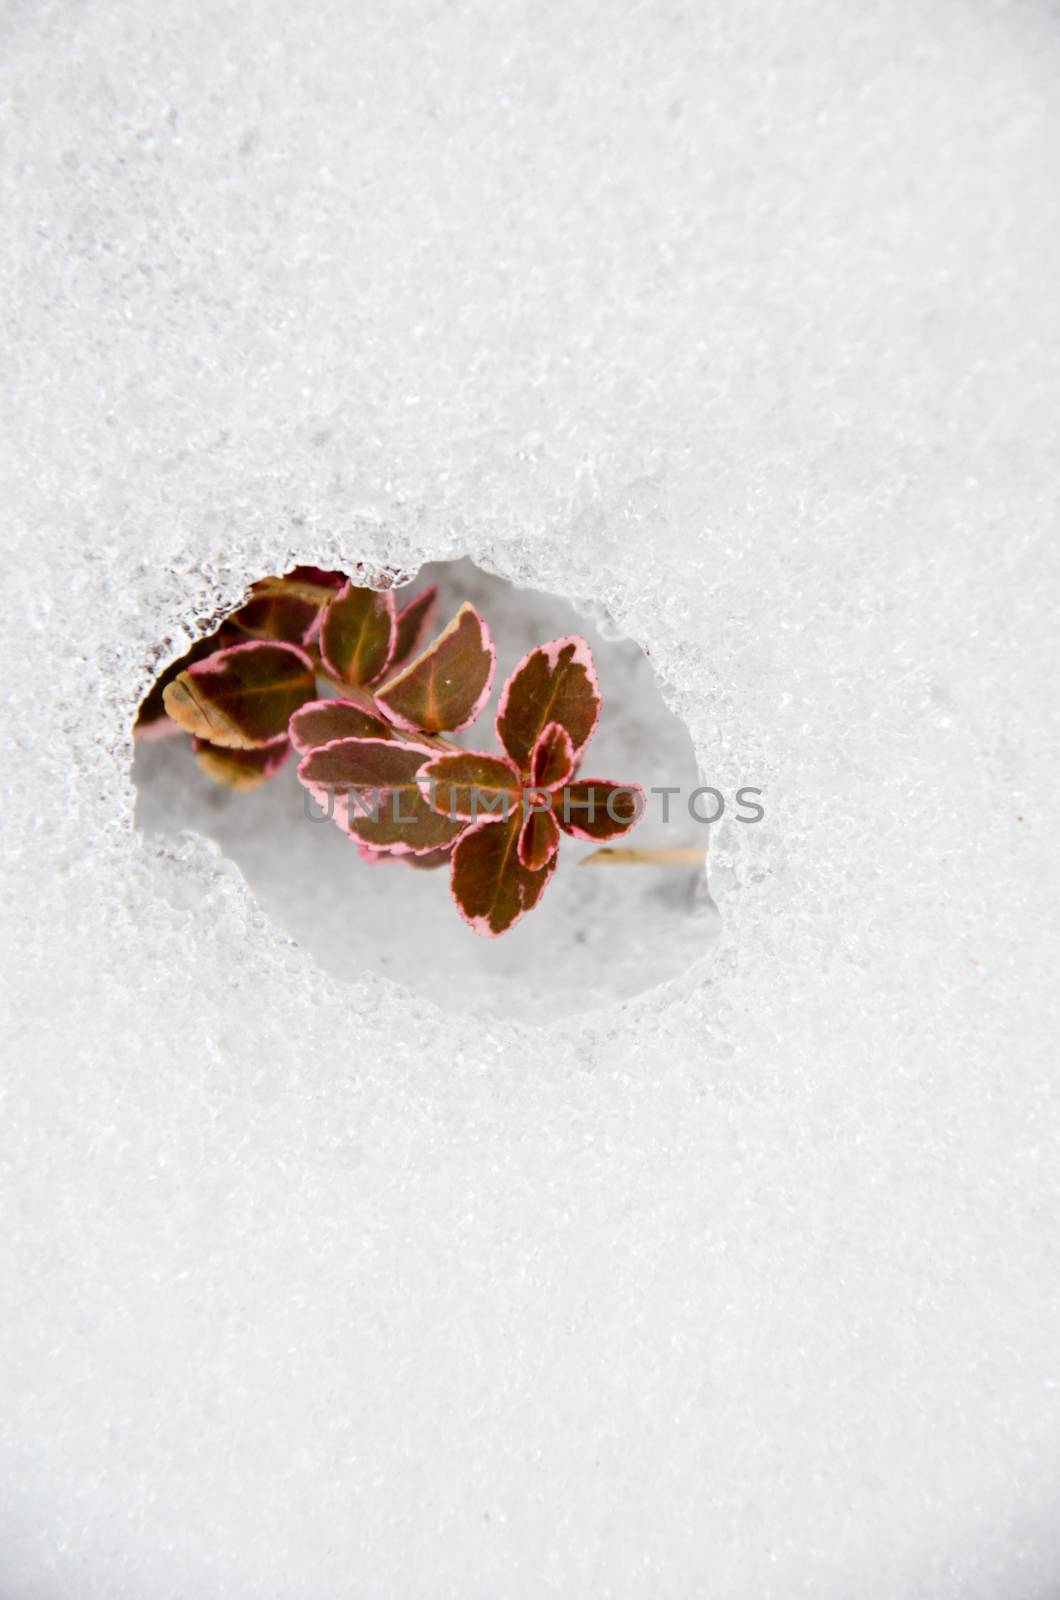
<point x="738" y="321"/>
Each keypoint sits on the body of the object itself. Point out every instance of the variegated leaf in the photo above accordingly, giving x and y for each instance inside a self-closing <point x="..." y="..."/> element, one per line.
<point x="152" y="719"/>
<point x="471" y="784"/>
<point x="431" y="861"/>
<point x="413" y="620"/>
<point x="555" y="682"/>
<point x="241" y="769"/>
<point x="242" y="697"/>
<point x="445" y="687"/>
<point x="491" y="887"/>
<point x="376" y="795"/>
<point x="552" y="760"/>
<point x="321" y="722"/>
<point x="357" y="634"/>
<point x="595" y="808"/>
<point x="276" y="616"/>
<point x="538" y="839"/>
<point x="306" y="583"/>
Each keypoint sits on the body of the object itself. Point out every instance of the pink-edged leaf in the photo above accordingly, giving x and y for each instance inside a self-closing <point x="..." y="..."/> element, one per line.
<point x="595" y="808"/>
<point x="372" y="858"/>
<point x="552" y="759"/>
<point x="384" y="806"/>
<point x="244" y="696"/>
<point x="431" y="860"/>
<point x="321" y="722"/>
<point x="446" y="686"/>
<point x="401" y="823"/>
<point x="538" y="839"/>
<point x="306" y="583"/>
<point x="319" y="577"/>
<point x="276" y="616"/>
<point x="353" y="764"/>
<point x="357" y="634"/>
<point x="471" y="784"/>
<point x="413" y="620"/>
<point x="241" y="769"/>
<point x="556" y="682"/>
<point x="491" y="887"/>
<point x="152" y="721"/>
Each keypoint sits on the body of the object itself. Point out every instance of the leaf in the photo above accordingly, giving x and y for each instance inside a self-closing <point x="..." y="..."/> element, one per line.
<point x="413" y="620"/>
<point x="554" y="683"/>
<point x="354" y="764"/>
<point x="152" y="721"/>
<point x="244" y="696"/>
<point x="471" y="784"/>
<point x="306" y="583"/>
<point x="277" y="616"/>
<point x="538" y="839"/>
<point x="321" y="577"/>
<point x="322" y="721"/>
<point x="595" y="808"/>
<point x="491" y="887"/>
<point x="357" y="634"/>
<point x="552" y="760"/>
<point x="430" y="861"/>
<point x="384" y="805"/>
<point x="242" y="769"/>
<point x="373" y="858"/>
<point x="446" y="687"/>
<point x="402" y="824"/>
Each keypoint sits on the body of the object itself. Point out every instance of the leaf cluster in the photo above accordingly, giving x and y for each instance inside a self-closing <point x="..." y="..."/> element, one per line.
<point x="338" y="673"/>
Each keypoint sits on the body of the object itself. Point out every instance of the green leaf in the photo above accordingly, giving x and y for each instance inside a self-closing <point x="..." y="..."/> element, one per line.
<point x="242" y="697"/>
<point x="556" y="682"/>
<point x="445" y="688"/>
<point x="357" y="634"/>
<point x="491" y="887"/>
<point x="384" y="806"/>
<point x="595" y="808"/>
<point x="472" y="784"/>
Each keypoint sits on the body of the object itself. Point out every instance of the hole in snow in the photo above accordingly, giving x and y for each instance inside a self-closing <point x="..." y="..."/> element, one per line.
<point x="599" y="934"/>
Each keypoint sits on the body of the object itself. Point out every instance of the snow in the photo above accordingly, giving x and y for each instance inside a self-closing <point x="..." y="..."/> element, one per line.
<point x="736" y="327"/>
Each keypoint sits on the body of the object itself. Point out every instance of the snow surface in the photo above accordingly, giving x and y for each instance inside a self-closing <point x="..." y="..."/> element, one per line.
<point x="739" y="324"/>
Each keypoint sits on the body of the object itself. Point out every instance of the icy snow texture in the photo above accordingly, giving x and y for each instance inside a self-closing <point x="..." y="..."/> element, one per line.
<point x="739" y="321"/>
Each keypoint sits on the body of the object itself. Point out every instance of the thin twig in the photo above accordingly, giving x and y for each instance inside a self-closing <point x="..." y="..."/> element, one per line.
<point x="692" y="855"/>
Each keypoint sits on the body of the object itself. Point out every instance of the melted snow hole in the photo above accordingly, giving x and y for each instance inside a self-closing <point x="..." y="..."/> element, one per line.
<point x="600" y="933"/>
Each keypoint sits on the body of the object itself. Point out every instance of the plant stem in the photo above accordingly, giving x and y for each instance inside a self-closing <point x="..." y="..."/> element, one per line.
<point x="692" y="855"/>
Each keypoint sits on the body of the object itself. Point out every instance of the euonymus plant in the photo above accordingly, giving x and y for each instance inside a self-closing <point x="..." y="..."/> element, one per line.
<point x="375" y="752"/>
